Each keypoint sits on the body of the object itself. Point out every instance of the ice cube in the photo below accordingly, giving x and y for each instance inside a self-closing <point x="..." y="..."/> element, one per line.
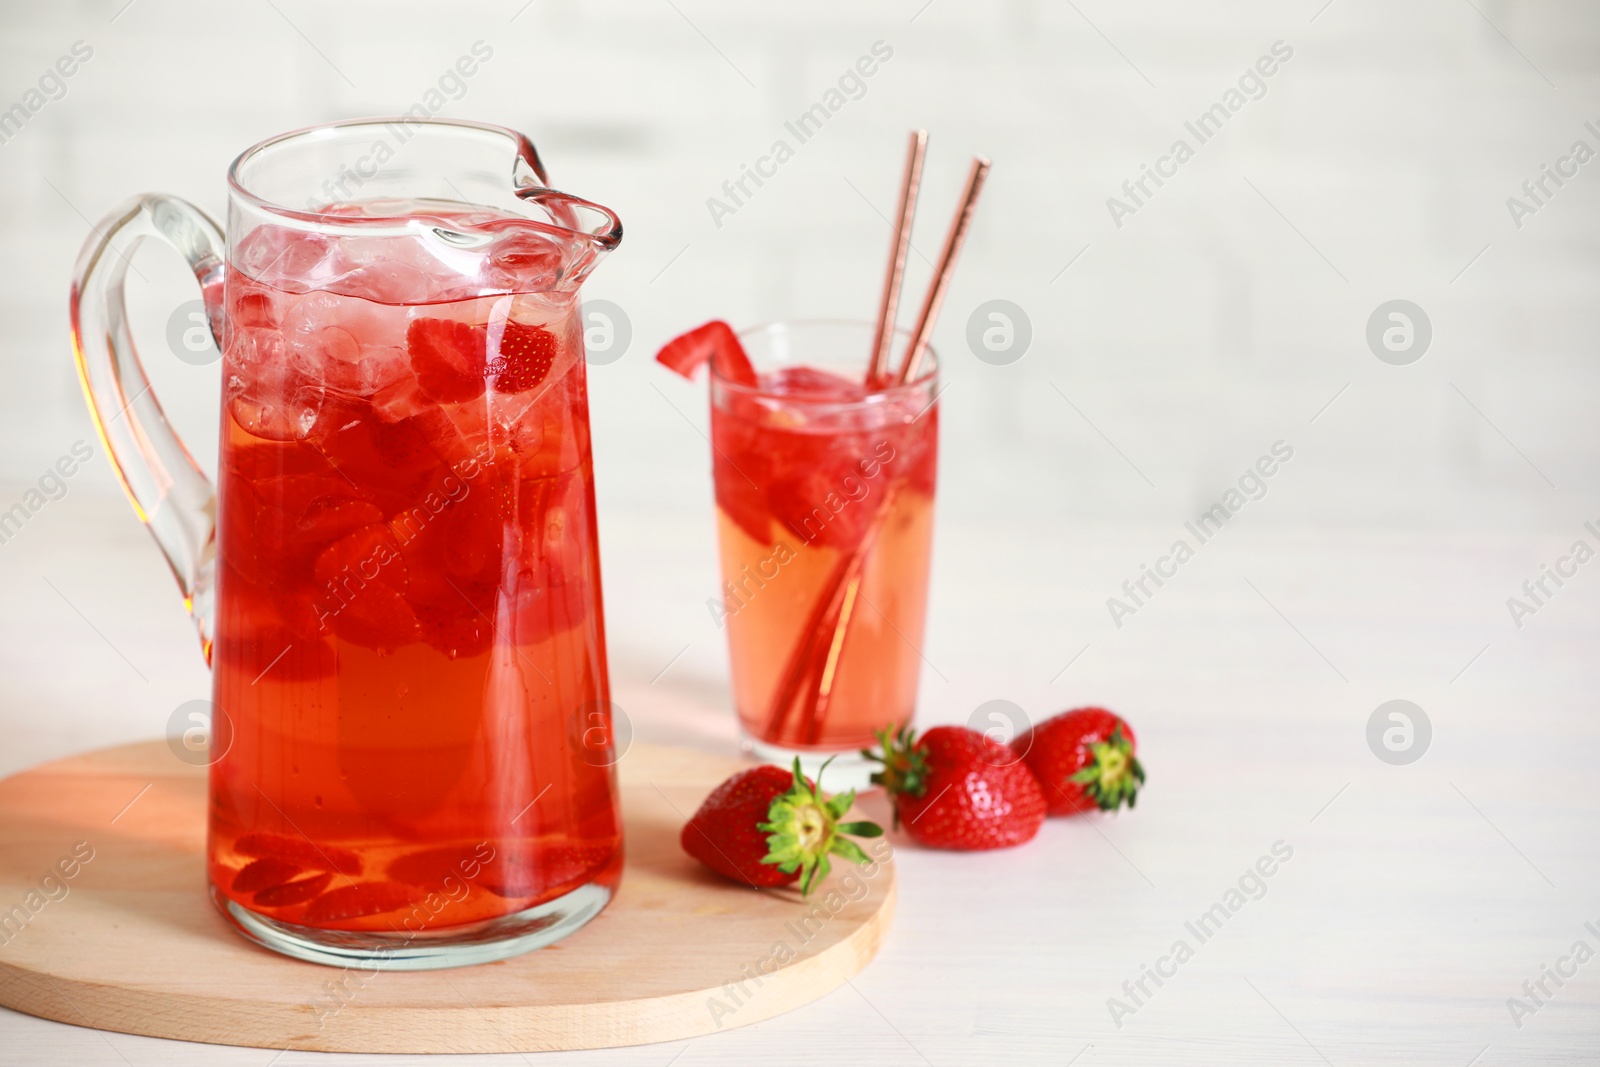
<point x="253" y="306"/>
<point x="400" y="399"/>
<point x="540" y="426"/>
<point x="386" y="282"/>
<point x="523" y="261"/>
<point x="542" y="309"/>
<point x="272" y="392"/>
<point x="813" y="383"/>
<point x="250" y="348"/>
<point x="284" y="258"/>
<point x="352" y="253"/>
<point x="383" y="366"/>
<point x="331" y="354"/>
<point x="455" y="433"/>
<point x="350" y="344"/>
<point x="471" y="425"/>
<point x="473" y="311"/>
<point x="368" y="323"/>
<point x="282" y="418"/>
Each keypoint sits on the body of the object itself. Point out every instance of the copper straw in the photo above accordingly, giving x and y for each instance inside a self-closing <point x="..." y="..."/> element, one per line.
<point x="841" y="598"/>
<point x="923" y="333"/>
<point x="884" y="339"/>
<point x="830" y="616"/>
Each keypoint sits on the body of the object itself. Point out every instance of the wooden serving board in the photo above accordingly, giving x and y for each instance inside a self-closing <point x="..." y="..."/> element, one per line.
<point x="130" y="942"/>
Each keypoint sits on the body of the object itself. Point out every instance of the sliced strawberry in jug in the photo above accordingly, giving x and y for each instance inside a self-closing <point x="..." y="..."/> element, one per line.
<point x="358" y="901"/>
<point x="370" y="554"/>
<point x="544" y="869"/>
<point x="526" y="356"/>
<point x="448" y="358"/>
<point x="361" y="582"/>
<point x="292" y="893"/>
<point x="298" y="851"/>
<point x="434" y="868"/>
<point x="262" y="873"/>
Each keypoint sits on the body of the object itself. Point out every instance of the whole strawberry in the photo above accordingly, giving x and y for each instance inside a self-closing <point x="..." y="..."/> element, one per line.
<point x="769" y="827"/>
<point x="1084" y="759"/>
<point x="958" y="789"/>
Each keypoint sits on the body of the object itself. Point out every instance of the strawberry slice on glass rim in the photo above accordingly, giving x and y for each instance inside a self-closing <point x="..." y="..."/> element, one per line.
<point x="713" y="343"/>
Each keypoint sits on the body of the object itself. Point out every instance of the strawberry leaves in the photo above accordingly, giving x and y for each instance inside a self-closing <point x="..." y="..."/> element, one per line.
<point x="905" y="764"/>
<point x="1113" y="774"/>
<point x="803" y="830"/>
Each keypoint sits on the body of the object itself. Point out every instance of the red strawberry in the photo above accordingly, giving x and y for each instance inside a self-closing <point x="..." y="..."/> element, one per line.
<point x="957" y="789"/>
<point x="448" y="358"/>
<point x="715" y="341"/>
<point x="768" y="827"/>
<point x="1084" y="759"/>
<point x="526" y="355"/>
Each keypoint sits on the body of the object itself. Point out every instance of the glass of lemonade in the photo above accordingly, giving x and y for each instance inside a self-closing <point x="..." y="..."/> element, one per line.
<point x="825" y="495"/>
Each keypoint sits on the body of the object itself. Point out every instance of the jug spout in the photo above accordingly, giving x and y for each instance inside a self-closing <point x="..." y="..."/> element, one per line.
<point x="468" y="205"/>
<point x="587" y="229"/>
<point x="584" y="220"/>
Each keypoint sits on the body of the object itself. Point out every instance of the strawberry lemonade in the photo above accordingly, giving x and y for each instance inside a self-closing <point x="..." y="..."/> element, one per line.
<point x="409" y="645"/>
<point x="825" y="493"/>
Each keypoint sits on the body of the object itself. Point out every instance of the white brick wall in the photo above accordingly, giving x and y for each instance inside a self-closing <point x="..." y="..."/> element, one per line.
<point x="1193" y="337"/>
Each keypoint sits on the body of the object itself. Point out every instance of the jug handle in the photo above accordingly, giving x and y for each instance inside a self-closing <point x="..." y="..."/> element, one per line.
<point x="169" y="492"/>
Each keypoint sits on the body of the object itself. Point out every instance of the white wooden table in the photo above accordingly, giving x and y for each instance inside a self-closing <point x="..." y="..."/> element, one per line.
<point x="1417" y="900"/>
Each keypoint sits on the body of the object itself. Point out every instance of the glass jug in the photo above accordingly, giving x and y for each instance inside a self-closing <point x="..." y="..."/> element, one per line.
<point x="395" y="579"/>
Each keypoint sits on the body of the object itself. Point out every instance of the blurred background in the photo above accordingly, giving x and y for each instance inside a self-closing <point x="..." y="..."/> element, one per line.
<point x="1157" y="348"/>
<point x="1151" y="345"/>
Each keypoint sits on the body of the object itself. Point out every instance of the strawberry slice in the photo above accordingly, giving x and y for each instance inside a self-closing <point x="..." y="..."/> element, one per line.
<point x="330" y="518"/>
<point x="714" y="342"/>
<point x="448" y="358"/>
<point x="298" y="851"/>
<point x="262" y="873"/>
<point x="526" y="355"/>
<point x="433" y="867"/>
<point x="367" y="554"/>
<point x="358" y="901"/>
<point x="292" y="893"/>
<point x="540" y="870"/>
<point x="361" y="580"/>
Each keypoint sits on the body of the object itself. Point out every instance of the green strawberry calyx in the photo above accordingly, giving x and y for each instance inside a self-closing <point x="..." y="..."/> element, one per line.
<point x="1113" y="774"/>
<point x="803" y="830"/>
<point x="905" y="764"/>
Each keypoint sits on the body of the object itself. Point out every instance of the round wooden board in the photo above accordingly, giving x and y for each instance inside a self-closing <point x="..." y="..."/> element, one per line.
<point x="135" y="945"/>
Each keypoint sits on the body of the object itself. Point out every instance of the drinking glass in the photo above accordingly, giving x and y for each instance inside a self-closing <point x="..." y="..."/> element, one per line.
<point x="825" y="495"/>
<point x="395" y="579"/>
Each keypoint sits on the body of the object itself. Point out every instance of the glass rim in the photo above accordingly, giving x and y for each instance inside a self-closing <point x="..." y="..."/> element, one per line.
<point x="876" y="396"/>
<point x="527" y="180"/>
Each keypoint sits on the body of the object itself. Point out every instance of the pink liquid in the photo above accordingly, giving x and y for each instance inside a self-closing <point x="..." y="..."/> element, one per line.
<point x="806" y="478"/>
<point x="409" y="643"/>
